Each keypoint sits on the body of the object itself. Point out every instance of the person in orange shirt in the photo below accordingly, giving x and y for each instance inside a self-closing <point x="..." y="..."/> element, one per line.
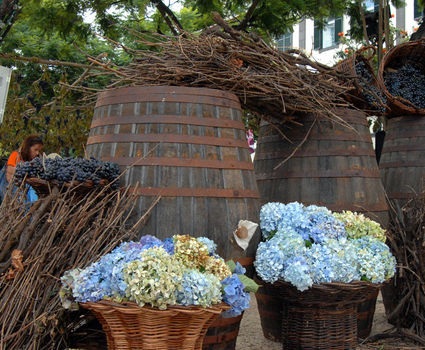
<point x="31" y="148"/>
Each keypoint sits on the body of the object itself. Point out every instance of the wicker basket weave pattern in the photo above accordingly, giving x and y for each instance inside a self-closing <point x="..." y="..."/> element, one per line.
<point x="322" y="318"/>
<point x="131" y="327"/>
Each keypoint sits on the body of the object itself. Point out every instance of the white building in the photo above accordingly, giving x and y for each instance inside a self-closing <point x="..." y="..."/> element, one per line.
<point x="323" y="44"/>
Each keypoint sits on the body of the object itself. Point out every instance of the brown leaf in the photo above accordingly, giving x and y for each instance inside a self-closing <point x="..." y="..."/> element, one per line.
<point x="236" y="61"/>
<point x="17" y="260"/>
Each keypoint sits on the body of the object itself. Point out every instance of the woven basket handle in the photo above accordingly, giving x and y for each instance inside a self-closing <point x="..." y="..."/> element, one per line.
<point x="364" y="49"/>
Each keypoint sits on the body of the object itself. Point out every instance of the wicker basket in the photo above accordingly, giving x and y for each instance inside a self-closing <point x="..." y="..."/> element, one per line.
<point x="409" y="52"/>
<point x="43" y="187"/>
<point x="323" y="317"/>
<point x="131" y="327"/>
<point x="348" y="65"/>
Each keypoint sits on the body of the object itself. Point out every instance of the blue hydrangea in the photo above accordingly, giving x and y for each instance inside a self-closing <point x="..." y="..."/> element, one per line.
<point x="345" y="262"/>
<point x="239" y="269"/>
<point x="320" y="260"/>
<point x="306" y="245"/>
<point x="376" y="263"/>
<point x="198" y="289"/>
<point x="270" y="216"/>
<point x="104" y="278"/>
<point x="297" y="273"/>
<point x="168" y="245"/>
<point x="149" y="241"/>
<point x="235" y="296"/>
<point x="323" y="226"/>
<point x="272" y="255"/>
<point x="313" y="223"/>
<point x="209" y="243"/>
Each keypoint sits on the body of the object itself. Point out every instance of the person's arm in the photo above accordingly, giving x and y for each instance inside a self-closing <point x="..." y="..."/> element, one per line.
<point x="10" y="171"/>
<point x="11" y="166"/>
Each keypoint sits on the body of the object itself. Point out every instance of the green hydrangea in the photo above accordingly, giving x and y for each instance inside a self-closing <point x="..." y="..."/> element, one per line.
<point x="154" y="278"/>
<point x="357" y="225"/>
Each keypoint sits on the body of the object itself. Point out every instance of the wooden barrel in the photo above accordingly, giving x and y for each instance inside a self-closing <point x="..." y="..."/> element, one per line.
<point x="402" y="162"/>
<point x="270" y="306"/>
<point x="187" y="145"/>
<point x="365" y="314"/>
<point x="222" y="334"/>
<point x="335" y="167"/>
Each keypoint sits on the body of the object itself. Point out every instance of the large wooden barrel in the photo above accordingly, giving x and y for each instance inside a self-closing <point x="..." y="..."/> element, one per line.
<point x="402" y="169"/>
<point x="335" y="167"/>
<point x="187" y="145"/>
<point x="402" y="162"/>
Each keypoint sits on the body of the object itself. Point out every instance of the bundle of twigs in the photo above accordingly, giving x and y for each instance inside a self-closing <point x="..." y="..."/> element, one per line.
<point x="404" y="297"/>
<point x="38" y="244"/>
<point x="268" y="82"/>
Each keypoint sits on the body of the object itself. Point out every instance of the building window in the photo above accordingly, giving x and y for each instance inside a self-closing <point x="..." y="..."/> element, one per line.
<point x="417" y="10"/>
<point x="328" y="35"/>
<point x="371" y="5"/>
<point x="285" y="41"/>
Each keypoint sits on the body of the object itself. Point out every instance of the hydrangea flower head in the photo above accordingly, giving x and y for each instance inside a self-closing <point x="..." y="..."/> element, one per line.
<point x="190" y="252"/>
<point x="270" y="216"/>
<point x="217" y="267"/>
<point x="376" y="263"/>
<point x="154" y="278"/>
<point x="297" y="273"/>
<point x="235" y="296"/>
<point x="197" y="288"/>
<point x="357" y="225"/>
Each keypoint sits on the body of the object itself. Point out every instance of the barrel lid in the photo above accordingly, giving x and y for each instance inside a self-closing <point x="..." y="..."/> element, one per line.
<point x="165" y="93"/>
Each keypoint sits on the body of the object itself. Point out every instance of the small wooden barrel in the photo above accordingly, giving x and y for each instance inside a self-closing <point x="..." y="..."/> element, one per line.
<point x="187" y="145"/>
<point x="222" y="334"/>
<point x="402" y="162"/>
<point x="365" y="314"/>
<point x="270" y="305"/>
<point x="335" y="167"/>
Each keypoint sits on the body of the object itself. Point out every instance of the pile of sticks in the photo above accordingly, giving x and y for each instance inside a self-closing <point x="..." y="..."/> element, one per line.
<point x="268" y="82"/>
<point x="38" y="243"/>
<point x="404" y="297"/>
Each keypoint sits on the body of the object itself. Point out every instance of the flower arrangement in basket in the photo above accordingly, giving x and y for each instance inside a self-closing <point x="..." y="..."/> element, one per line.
<point x="324" y="263"/>
<point x="155" y="294"/>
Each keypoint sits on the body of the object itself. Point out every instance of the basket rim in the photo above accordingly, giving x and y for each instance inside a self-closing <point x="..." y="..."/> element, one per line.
<point x="132" y="306"/>
<point x="332" y="286"/>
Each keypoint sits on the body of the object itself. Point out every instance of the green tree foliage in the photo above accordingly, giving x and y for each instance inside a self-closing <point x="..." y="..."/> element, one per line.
<point x="57" y="30"/>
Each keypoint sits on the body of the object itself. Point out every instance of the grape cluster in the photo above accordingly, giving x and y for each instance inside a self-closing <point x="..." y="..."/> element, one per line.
<point x="408" y="82"/>
<point x="29" y="169"/>
<point x="68" y="169"/>
<point x="370" y="91"/>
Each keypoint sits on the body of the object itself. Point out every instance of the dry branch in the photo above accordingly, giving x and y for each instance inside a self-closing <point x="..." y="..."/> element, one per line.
<point x="269" y="83"/>
<point x="407" y="290"/>
<point x="61" y="231"/>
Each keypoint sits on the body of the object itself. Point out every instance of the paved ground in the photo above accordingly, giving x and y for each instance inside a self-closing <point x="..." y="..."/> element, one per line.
<point x="251" y="337"/>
